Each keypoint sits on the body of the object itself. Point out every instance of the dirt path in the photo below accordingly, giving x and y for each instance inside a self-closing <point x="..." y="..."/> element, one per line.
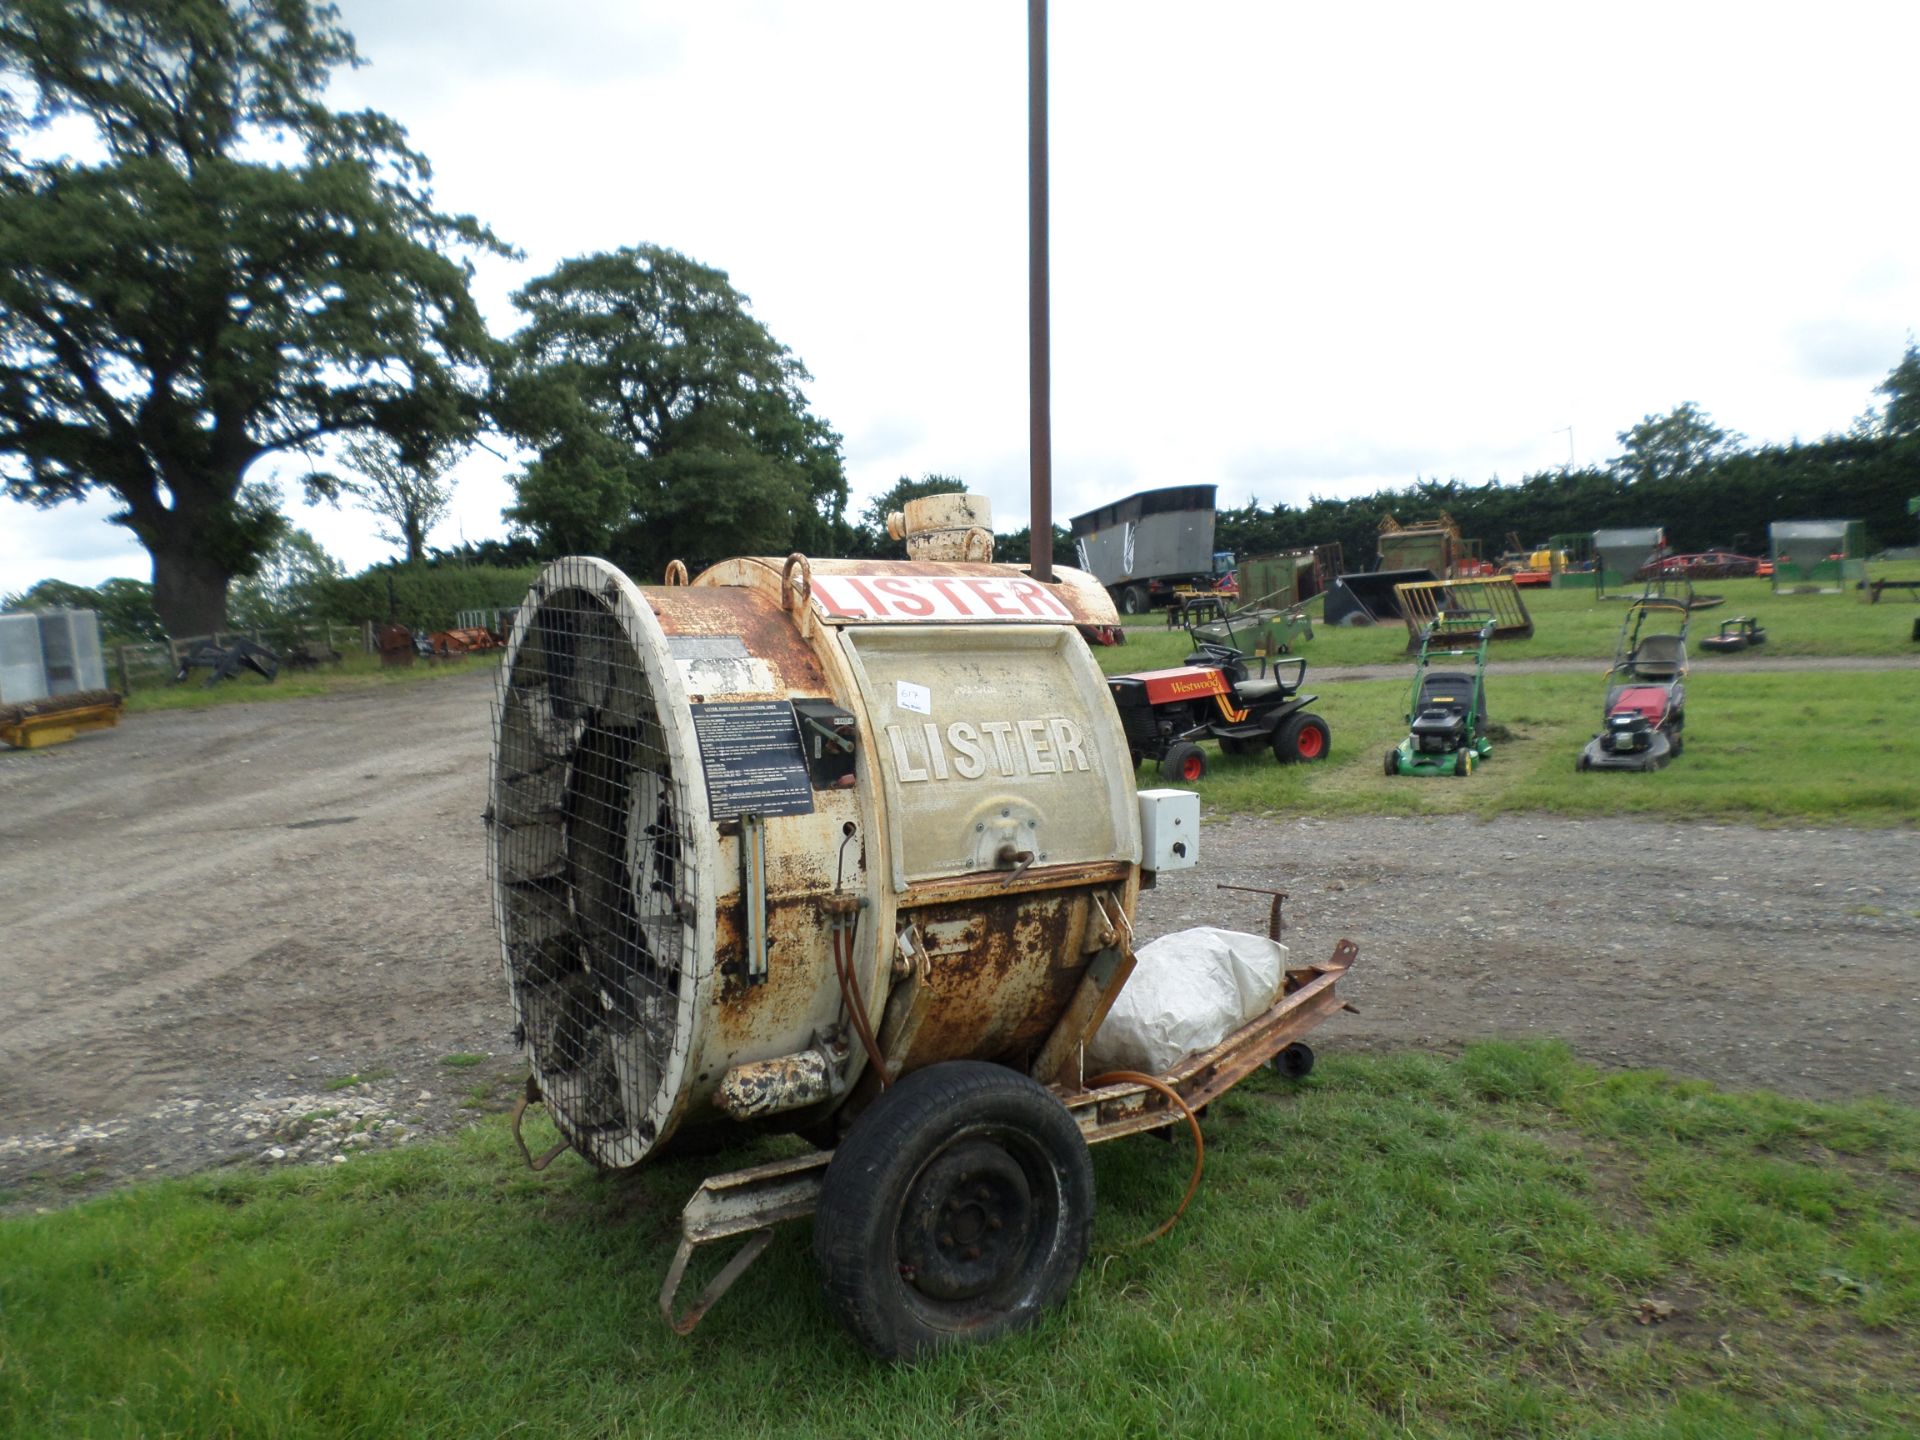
<point x="1788" y="959"/>
<point x="210" y="919"/>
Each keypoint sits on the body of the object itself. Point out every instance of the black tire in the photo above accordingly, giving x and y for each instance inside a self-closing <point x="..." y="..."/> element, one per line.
<point x="1185" y="763"/>
<point x="1583" y="763"/>
<point x="1292" y="744"/>
<point x="1393" y="762"/>
<point x="1133" y="601"/>
<point x="958" y="1208"/>
<point x="1463" y="763"/>
<point x="1294" y="1062"/>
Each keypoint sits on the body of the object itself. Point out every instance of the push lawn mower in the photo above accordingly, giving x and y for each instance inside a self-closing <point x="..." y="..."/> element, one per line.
<point x="1447" y="709"/>
<point x="1646" y="689"/>
<point x="1167" y="713"/>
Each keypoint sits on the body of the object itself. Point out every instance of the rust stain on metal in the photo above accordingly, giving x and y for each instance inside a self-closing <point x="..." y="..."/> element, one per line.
<point x="752" y="617"/>
<point x="1003" y="993"/>
<point x="992" y="884"/>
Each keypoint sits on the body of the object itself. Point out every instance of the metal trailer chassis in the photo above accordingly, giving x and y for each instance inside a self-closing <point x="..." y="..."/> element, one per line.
<point x="750" y="1203"/>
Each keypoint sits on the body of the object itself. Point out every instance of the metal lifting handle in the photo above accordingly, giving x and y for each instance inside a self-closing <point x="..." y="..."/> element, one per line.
<point x="676" y="573"/>
<point x="787" y="587"/>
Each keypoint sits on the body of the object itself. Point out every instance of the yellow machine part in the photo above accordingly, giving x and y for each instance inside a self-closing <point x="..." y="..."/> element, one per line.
<point x="43" y="728"/>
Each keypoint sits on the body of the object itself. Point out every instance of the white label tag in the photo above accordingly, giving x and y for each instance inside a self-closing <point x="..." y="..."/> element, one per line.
<point x="917" y="698"/>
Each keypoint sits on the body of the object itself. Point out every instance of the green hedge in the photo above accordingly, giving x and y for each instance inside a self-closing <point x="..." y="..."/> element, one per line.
<point x="1727" y="503"/>
<point x="422" y="597"/>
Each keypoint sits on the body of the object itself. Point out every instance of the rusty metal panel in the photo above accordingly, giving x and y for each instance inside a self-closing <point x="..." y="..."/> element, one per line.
<point x="1006" y="971"/>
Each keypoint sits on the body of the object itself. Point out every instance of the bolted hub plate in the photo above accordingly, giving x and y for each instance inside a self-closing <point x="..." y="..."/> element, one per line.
<point x="967" y="1222"/>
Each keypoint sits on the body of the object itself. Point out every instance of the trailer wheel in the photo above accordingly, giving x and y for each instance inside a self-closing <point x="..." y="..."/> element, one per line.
<point x="1133" y="601"/>
<point x="1185" y="762"/>
<point x="1303" y="737"/>
<point x="958" y="1208"/>
<point x="1294" y="1062"/>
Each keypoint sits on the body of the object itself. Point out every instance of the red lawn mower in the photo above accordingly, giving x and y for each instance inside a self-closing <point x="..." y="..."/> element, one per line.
<point x="1167" y="713"/>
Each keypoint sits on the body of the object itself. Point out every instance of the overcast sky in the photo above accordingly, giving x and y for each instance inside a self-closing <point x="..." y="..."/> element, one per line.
<point x="1297" y="250"/>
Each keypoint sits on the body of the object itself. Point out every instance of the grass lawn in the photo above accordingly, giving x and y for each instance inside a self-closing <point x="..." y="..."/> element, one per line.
<point x="1834" y="747"/>
<point x="1508" y="1243"/>
<point x="355" y="673"/>
<point x="1768" y="749"/>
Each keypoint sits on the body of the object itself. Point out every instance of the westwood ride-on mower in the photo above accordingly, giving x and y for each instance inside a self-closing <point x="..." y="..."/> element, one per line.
<point x="1167" y="713"/>
<point x="1447" y="709"/>
<point x="1646" y="712"/>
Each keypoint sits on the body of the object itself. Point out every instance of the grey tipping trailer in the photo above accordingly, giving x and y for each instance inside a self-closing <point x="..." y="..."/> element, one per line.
<point x="1141" y="547"/>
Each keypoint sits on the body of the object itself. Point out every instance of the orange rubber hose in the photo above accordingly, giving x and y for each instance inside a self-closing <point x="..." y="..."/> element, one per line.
<point x="1119" y="1077"/>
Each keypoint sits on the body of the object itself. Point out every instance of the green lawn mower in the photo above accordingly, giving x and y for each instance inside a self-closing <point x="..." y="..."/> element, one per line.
<point x="1447" y="709"/>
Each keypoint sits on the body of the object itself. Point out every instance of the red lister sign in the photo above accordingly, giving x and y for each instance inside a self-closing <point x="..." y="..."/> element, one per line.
<point x="937" y="597"/>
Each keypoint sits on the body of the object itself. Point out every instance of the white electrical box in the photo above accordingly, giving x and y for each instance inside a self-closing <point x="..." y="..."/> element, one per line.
<point x="1169" y="829"/>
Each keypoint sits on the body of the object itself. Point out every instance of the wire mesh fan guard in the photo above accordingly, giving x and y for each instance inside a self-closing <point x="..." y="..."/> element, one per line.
<point x="594" y="858"/>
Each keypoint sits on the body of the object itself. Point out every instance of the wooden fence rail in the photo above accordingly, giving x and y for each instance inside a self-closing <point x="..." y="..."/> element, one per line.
<point x="144" y="661"/>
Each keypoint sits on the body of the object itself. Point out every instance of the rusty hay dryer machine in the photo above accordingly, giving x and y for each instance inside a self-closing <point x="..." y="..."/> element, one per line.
<point x="850" y="850"/>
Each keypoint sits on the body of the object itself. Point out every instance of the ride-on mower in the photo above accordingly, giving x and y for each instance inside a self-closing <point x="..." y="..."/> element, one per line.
<point x="1167" y="713"/>
<point x="1646" y="710"/>
<point x="1447" y="709"/>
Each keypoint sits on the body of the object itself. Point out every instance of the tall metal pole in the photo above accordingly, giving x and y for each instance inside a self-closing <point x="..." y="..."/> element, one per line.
<point x="1039" y="338"/>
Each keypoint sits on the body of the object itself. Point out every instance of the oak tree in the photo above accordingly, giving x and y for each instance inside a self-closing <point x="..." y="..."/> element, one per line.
<point x="666" y="421"/>
<point x="226" y="269"/>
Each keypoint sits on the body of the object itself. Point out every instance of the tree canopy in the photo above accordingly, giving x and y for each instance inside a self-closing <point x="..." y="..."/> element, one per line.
<point x="1663" y="447"/>
<point x="408" y="497"/>
<point x="288" y="583"/>
<point x="1899" y="417"/>
<point x="232" y="270"/>
<point x="666" y="421"/>
<point x="125" y="607"/>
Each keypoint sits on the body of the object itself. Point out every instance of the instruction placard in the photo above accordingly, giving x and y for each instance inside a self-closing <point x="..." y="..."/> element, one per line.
<point x="753" y="757"/>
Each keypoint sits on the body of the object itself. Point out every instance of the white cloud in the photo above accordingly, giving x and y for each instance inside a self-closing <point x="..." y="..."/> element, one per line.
<point x="1296" y="250"/>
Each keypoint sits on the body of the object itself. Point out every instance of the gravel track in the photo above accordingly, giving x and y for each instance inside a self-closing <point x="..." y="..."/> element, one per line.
<point x="210" y="920"/>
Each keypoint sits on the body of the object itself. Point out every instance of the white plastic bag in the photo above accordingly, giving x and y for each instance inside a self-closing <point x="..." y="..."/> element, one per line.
<point x="1188" y="992"/>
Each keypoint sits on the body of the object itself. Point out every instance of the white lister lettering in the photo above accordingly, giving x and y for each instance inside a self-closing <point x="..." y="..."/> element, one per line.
<point x="902" y="765"/>
<point x="969" y="760"/>
<point x="969" y="750"/>
<point x="1033" y="740"/>
<point x="1000" y="732"/>
<point x="1068" y="744"/>
<point x="936" y="753"/>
